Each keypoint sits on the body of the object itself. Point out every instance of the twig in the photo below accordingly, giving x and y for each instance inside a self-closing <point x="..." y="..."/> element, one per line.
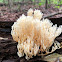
<point x="1" y="38"/>
<point x="50" y="15"/>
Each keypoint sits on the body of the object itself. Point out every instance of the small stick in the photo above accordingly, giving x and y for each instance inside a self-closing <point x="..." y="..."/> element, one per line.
<point x="50" y="15"/>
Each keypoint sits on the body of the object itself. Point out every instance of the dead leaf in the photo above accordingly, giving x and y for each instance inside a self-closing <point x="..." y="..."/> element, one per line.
<point x="53" y="57"/>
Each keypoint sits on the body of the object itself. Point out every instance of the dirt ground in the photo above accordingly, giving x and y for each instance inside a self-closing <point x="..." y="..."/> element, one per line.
<point x="6" y="15"/>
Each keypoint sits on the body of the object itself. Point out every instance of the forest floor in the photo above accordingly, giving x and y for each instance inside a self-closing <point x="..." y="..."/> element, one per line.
<point x="6" y="15"/>
<point x="8" y="48"/>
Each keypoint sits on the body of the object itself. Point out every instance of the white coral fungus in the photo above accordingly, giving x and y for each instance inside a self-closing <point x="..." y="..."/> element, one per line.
<point x="35" y="35"/>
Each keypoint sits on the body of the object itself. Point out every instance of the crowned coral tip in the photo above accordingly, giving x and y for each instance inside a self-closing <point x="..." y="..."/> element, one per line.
<point x="30" y="12"/>
<point x="38" y="14"/>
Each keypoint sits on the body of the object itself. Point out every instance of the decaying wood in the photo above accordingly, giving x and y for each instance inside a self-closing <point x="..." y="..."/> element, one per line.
<point x="6" y="23"/>
<point x="6" y="30"/>
<point x="8" y="50"/>
<point x="5" y="26"/>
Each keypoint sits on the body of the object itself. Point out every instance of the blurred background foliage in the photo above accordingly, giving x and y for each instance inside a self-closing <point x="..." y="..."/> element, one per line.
<point x="47" y="3"/>
<point x="58" y="2"/>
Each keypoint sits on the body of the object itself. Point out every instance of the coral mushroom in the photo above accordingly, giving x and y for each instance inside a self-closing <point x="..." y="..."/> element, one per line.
<point x="35" y="35"/>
